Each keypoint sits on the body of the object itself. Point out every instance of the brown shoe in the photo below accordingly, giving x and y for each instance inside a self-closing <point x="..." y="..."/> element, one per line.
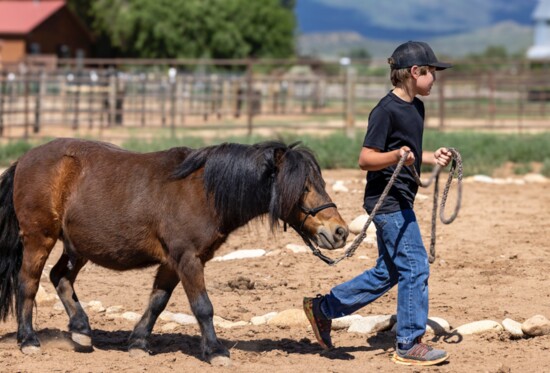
<point x="319" y="323"/>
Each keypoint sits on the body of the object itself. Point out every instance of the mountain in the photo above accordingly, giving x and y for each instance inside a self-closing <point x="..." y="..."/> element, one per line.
<point x="406" y="19"/>
<point x="514" y="37"/>
<point x="332" y="28"/>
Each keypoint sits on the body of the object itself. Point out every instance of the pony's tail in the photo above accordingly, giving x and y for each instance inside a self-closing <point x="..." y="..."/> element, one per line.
<point x="11" y="246"/>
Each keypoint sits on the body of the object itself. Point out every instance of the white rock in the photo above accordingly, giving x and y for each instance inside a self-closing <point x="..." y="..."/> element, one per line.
<point x="421" y="197"/>
<point x="184" y="319"/>
<point x="42" y="296"/>
<point x="230" y="324"/>
<point x="513" y="327"/>
<point x="112" y="316"/>
<point x="290" y="317"/>
<point x="166" y="316"/>
<point x="169" y="327"/>
<point x="131" y="316"/>
<point x="535" y="178"/>
<point x="297" y="249"/>
<point x="371" y="324"/>
<point x="260" y="320"/>
<point x="344" y="322"/>
<point x="437" y="325"/>
<point x="96" y="306"/>
<point x="114" y="309"/>
<point x="339" y="186"/>
<point x="536" y="325"/>
<point x="358" y="223"/>
<point x="483" y="179"/>
<point x="477" y="327"/>
<point x="241" y="254"/>
<point x="274" y="252"/>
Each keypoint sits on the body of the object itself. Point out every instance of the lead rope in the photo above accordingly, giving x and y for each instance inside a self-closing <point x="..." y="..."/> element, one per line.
<point x="456" y="167"/>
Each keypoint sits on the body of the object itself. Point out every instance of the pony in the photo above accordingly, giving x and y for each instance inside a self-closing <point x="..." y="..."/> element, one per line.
<point x="125" y="210"/>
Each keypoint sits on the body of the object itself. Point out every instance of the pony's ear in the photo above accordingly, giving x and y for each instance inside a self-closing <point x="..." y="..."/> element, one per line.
<point x="294" y="144"/>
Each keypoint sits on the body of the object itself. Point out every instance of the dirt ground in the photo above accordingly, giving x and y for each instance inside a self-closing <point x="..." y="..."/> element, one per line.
<point x="492" y="263"/>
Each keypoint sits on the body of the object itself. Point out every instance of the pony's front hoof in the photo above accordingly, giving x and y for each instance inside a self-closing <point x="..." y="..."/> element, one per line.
<point x="31" y="350"/>
<point x="138" y="353"/>
<point x="81" y="339"/>
<point x="139" y="348"/>
<point x="220" y="361"/>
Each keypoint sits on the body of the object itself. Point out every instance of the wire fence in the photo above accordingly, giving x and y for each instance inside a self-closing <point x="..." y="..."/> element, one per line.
<point x="97" y="96"/>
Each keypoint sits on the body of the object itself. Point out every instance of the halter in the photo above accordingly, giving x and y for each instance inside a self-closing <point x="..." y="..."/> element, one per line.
<point x="314" y="212"/>
<point x="307" y="240"/>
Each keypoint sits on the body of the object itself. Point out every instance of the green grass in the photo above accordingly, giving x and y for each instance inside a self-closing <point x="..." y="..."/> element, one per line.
<point x="481" y="152"/>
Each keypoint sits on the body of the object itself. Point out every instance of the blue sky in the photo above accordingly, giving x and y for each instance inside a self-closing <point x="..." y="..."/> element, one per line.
<point x="396" y="19"/>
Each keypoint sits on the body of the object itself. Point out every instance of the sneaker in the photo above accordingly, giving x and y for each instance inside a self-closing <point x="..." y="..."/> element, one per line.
<point x="319" y="323"/>
<point x="419" y="354"/>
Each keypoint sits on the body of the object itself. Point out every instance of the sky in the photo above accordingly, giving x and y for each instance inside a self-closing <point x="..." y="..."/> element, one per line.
<point x="398" y="19"/>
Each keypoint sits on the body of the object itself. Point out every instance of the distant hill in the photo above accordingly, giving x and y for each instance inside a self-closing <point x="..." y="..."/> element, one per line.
<point x="516" y="38"/>
<point x="405" y="19"/>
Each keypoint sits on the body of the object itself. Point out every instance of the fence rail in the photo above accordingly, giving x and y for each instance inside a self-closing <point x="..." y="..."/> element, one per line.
<point x="100" y="95"/>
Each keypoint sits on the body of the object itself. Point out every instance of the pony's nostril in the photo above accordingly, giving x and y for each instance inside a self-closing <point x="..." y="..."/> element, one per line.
<point x="342" y="233"/>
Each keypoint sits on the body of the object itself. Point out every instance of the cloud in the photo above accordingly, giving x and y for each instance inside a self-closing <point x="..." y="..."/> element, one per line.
<point x="431" y="15"/>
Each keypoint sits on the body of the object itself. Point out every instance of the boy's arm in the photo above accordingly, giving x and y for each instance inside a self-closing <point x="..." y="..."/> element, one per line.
<point x="372" y="159"/>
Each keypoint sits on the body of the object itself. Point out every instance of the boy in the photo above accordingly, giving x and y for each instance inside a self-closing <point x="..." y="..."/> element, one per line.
<point x="395" y="126"/>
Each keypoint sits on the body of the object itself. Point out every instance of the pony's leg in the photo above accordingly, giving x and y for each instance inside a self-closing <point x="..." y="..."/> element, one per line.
<point x="165" y="282"/>
<point x="37" y="248"/>
<point x="191" y="271"/>
<point x="63" y="275"/>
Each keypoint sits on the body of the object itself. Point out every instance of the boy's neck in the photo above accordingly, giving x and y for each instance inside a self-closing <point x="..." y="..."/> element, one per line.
<point x="403" y="94"/>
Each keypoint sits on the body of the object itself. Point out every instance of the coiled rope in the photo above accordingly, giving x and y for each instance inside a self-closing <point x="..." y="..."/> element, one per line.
<point x="456" y="168"/>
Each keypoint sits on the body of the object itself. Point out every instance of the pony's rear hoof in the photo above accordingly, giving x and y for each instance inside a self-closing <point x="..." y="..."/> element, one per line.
<point x="220" y="361"/>
<point x="138" y="353"/>
<point x="30" y="350"/>
<point x="82" y="339"/>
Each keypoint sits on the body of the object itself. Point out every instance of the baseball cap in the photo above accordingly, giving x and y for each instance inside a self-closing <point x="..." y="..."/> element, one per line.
<point x="415" y="53"/>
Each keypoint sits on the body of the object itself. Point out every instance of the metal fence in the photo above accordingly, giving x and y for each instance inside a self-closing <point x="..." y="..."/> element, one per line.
<point x="105" y="95"/>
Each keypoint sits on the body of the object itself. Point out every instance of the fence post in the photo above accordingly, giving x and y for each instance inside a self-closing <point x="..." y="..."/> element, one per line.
<point x="2" y="92"/>
<point x="172" y="74"/>
<point x="111" y="100"/>
<point x="349" y="97"/>
<point x="441" y="88"/>
<point x="143" y="78"/>
<point x="38" y="104"/>
<point x="492" y="106"/>
<point x="76" y="103"/>
<point x="249" y="95"/>
<point x="26" y="101"/>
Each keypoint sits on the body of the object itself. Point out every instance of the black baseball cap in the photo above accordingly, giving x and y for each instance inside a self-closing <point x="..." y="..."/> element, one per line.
<point x="415" y="53"/>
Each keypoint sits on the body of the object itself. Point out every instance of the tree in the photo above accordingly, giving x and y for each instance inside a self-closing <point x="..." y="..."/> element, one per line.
<point x="194" y="28"/>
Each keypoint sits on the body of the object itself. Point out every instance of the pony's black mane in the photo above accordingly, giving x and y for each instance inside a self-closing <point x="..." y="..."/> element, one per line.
<point x="247" y="181"/>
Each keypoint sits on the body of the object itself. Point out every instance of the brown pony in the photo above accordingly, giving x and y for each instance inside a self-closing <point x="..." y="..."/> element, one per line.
<point x="125" y="210"/>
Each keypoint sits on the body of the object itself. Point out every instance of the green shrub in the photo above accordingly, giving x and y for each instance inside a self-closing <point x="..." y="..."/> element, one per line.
<point x="546" y="167"/>
<point x="481" y="152"/>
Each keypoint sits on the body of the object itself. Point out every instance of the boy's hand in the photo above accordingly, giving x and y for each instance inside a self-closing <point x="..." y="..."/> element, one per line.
<point x="410" y="159"/>
<point x="442" y="157"/>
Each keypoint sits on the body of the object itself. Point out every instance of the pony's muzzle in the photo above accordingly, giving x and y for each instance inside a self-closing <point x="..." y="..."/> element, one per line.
<point x="331" y="237"/>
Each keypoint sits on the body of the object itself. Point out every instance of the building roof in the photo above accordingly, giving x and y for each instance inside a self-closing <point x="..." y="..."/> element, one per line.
<point x="21" y="17"/>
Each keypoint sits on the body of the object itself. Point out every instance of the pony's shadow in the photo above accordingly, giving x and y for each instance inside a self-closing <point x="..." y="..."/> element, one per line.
<point x="168" y="343"/>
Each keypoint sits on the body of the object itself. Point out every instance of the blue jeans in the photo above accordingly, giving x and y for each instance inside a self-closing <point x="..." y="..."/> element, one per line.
<point x="402" y="260"/>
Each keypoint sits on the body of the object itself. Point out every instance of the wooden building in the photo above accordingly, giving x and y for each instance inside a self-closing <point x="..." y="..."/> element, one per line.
<point x="41" y="28"/>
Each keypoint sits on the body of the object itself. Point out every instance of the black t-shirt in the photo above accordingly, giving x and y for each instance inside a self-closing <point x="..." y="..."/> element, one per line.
<point x="394" y="123"/>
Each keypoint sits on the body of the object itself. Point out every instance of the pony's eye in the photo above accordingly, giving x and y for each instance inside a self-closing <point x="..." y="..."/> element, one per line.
<point x="306" y="190"/>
